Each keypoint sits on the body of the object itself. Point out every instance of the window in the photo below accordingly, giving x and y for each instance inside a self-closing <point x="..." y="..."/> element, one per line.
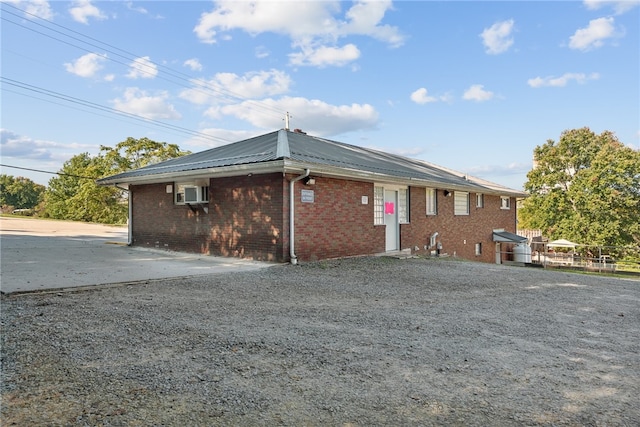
<point x="460" y="203"/>
<point x="478" y="249"/>
<point x="401" y="210"/>
<point x="505" y="202"/>
<point x="431" y="201"/>
<point x="403" y="206"/>
<point x="480" y="200"/>
<point x="188" y="193"/>
<point x="378" y="205"/>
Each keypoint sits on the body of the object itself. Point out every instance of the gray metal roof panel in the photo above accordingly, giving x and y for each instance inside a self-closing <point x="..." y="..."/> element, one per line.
<point x="254" y="150"/>
<point x="505" y="236"/>
<point x="307" y="149"/>
<point x="338" y="154"/>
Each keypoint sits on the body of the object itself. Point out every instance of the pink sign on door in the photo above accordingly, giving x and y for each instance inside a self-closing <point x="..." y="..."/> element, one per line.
<point x="389" y="208"/>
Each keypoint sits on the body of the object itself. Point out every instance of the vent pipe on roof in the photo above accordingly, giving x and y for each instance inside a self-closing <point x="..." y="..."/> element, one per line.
<point x="292" y="239"/>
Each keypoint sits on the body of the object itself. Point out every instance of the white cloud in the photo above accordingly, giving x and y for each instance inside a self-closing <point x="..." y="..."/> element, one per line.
<point x="138" y="102"/>
<point x="563" y="80"/>
<point x="18" y="146"/>
<point x="497" y="38"/>
<point x="226" y="86"/>
<point x="262" y="52"/>
<point x="420" y="96"/>
<point x="39" y="8"/>
<point x="325" y="55"/>
<point x="311" y="115"/>
<point x="364" y="18"/>
<point x="142" y="68"/>
<point x="218" y="137"/>
<point x="486" y="171"/>
<point x="14" y="145"/>
<point x="87" y="65"/>
<point x="312" y="26"/>
<point x="82" y="10"/>
<point x="477" y="93"/>
<point x="138" y="9"/>
<point x="594" y="35"/>
<point x="619" y="6"/>
<point x="194" y="64"/>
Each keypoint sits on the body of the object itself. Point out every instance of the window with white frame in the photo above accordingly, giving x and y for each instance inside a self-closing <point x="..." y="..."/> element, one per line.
<point x="190" y="193"/>
<point x="478" y="249"/>
<point x="460" y="203"/>
<point x="432" y="206"/>
<point x="505" y="202"/>
<point x="479" y="200"/>
<point x="403" y="206"/>
<point x="378" y="205"/>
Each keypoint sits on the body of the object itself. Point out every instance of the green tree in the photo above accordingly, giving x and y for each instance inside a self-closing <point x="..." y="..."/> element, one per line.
<point x="136" y="153"/>
<point x="20" y="192"/>
<point x="585" y="188"/>
<point x="74" y="194"/>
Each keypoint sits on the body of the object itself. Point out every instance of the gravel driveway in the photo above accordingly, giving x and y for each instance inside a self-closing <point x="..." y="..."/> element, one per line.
<point x="353" y="342"/>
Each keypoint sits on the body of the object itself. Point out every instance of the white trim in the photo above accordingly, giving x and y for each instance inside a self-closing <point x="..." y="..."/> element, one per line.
<point x="458" y="203"/>
<point x="292" y="166"/>
<point x="434" y="211"/>
<point x="508" y="204"/>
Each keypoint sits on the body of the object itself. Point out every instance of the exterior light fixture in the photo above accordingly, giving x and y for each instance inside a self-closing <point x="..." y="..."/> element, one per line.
<point x="309" y="181"/>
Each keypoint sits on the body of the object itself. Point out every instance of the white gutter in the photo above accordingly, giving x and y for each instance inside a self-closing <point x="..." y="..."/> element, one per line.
<point x="292" y="253"/>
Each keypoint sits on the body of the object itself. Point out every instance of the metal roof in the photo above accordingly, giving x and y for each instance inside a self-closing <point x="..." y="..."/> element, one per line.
<point x="505" y="236"/>
<point x="320" y="155"/>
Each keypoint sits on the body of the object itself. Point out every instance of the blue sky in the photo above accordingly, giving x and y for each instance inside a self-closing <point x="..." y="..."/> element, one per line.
<point x="472" y="86"/>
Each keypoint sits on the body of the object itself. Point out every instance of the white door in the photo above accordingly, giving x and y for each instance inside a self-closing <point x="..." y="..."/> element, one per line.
<point x="391" y="219"/>
<point x="498" y="254"/>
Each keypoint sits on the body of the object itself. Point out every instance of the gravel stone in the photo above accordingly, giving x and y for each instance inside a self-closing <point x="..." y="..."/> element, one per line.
<point x="350" y="342"/>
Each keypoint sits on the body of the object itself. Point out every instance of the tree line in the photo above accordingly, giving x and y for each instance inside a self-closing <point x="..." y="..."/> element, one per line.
<point x="74" y="195"/>
<point x="584" y="187"/>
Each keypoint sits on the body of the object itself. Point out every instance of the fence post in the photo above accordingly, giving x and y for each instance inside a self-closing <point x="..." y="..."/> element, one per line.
<point x="599" y="259"/>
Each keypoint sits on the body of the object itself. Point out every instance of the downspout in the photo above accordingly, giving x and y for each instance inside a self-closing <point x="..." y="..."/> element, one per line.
<point x="129" y="225"/>
<point x="292" y="252"/>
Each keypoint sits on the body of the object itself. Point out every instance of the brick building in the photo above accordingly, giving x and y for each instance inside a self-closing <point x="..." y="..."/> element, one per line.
<point x="288" y="196"/>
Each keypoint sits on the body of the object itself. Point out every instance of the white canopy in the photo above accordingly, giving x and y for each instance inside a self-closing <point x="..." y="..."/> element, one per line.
<point x="562" y="243"/>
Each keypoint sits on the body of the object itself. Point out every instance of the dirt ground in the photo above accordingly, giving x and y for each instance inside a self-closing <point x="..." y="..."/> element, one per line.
<point x="354" y="342"/>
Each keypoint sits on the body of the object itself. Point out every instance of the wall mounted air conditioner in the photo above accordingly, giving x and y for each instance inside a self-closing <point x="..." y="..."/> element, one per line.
<point x="191" y="194"/>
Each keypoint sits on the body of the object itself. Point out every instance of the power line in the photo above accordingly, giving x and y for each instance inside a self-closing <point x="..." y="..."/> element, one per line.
<point x="4" y="89"/>
<point x="88" y="104"/>
<point x="201" y="84"/>
<point x="53" y="173"/>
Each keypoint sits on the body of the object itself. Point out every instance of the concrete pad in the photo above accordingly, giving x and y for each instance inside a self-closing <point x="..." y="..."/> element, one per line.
<point x="41" y="255"/>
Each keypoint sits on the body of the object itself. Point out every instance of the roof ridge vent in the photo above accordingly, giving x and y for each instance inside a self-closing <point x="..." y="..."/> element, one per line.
<point x="282" y="147"/>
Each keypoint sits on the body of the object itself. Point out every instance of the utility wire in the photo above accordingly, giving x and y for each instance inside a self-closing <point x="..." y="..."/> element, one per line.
<point x="201" y="84"/>
<point x="84" y="110"/>
<point x="88" y="104"/>
<point x="53" y="173"/>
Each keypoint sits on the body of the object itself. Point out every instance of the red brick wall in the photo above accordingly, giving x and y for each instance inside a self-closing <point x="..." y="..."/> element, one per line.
<point x="249" y="217"/>
<point x="457" y="233"/>
<point x="245" y="219"/>
<point x="336" y="224"/>
<point x="157" y="222"/>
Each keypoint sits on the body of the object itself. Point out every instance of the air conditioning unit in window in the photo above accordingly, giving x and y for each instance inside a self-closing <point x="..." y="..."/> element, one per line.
<point x="191" y="194"/>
